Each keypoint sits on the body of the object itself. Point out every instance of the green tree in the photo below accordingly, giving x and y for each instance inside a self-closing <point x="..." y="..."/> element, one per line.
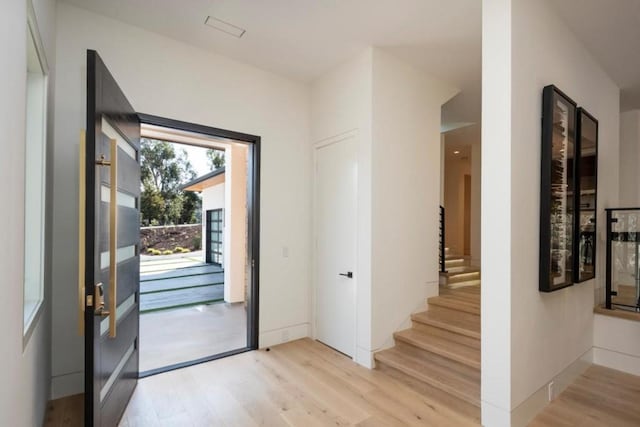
<point x="163" y="170"/>
<point x="215" y="158"/>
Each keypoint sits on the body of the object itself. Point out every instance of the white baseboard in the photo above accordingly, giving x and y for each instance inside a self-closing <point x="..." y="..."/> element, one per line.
<point x="67" y="385"/>
<point x="282" y="335"/>
<point x="527" y="410"/>
<point x="620" y="361"/>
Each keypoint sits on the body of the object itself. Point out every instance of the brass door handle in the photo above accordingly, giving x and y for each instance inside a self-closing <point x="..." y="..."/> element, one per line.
<point x="113" y="238"/>
<point x="99" y="301"/>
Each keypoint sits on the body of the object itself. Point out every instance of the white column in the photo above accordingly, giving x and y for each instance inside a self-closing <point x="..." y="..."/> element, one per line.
<point x="496" y="212"/>
<point x="235" y="223"/>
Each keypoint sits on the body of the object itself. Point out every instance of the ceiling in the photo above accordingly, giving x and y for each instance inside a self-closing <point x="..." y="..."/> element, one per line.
<point x="611" y="32"/>
<point x="302" y="39"/>
<point x="461" y="140"/>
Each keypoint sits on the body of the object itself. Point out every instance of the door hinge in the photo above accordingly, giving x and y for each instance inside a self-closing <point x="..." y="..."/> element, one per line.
<point x="253" y="263"/>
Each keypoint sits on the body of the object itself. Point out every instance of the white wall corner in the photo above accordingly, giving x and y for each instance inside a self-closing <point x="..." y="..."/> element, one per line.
<point x="527" y="410"/>
<point x="67" y="385"/>
<point x="492" y="416"/>
<point x="364" y="357"/>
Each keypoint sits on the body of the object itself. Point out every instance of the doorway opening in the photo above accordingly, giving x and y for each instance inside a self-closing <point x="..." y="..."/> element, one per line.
<point x="199" y="244"/>
<point x="460" y="208"/>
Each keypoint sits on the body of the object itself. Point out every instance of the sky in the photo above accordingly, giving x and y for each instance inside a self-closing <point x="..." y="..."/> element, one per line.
<point x="197" y="157"/>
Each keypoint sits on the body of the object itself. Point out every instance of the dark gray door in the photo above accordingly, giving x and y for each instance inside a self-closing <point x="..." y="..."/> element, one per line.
<point x="111" y="247"/>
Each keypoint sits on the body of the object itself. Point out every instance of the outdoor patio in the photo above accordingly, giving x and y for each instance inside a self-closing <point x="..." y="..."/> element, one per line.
<point x="183" y="314"/>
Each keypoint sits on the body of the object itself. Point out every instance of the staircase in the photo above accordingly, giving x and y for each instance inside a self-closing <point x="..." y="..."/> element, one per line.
<point x="441" y="351"/>
<point x="458" y="273"/>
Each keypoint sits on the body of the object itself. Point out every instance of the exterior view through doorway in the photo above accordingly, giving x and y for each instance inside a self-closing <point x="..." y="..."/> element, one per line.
<point x="198" y="243"/>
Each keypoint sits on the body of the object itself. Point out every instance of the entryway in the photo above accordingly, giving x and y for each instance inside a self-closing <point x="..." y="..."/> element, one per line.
<point x="113" y="198"/>
<point x="193" y="275"/>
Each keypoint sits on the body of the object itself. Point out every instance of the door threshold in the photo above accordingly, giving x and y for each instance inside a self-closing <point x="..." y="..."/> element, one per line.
<point x="181" y="365"/>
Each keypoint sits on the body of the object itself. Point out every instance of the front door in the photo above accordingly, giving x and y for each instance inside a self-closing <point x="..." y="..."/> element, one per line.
<point x="111" y="251"/>
<point x="336" y="202"/>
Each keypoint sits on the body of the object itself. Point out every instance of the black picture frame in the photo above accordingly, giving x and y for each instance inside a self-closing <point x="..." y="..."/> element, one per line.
<point x="557" y="229"/>
<point x="586" y="197"/>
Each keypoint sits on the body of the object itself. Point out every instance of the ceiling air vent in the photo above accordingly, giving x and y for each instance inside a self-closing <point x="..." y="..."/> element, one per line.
<point x="225" y="27"/>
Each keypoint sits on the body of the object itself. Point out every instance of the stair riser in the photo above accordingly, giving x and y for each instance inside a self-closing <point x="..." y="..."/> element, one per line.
<point x="432" y="383"/>
<point x="449" y="328"/>
<point x="451" y="263"/>
<point x="422" y="388"/>
<point x="453" y="306"/>
<point x="443" y="333"/>
<point x="463" y="277"/>
<point x="430" y="352"/>
<point x="459" y="285"/>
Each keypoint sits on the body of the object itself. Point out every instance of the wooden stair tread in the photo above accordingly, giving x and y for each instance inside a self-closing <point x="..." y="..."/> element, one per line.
<point x="441" y="346"/>
<point x="619" y="313"/>
<point x="461" y="269"/>
<point x="448" y="380"/>
<point x="460" y="323"/>
<point x="453" y="303"/>
<point x="466" y="283"/>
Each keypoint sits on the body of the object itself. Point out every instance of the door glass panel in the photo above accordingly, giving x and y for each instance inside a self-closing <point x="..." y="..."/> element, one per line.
<point x="116" y="372"/>
<point x="122" y="254"/>
<point x="122" y="310"/>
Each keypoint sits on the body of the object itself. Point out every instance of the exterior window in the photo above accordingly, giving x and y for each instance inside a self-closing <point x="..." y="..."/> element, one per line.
<point x="215" y="231"/>
<point x="35" y="155"/>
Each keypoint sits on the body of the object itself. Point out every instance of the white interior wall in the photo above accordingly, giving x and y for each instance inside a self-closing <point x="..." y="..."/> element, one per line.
<point x="341" y="105"/>
<point x="163" y="77"/>
<point x="548" y="332"/>
<point x="615" y="344"/>
<point x="405" y="192"/>
<point x="25" y="367"/>
<point x="629" y="159"/>
<point x="496" y="216"/>
<point x="454" y="171"/>
<point x="476" y="202"/>
<point x="393" y="110"/>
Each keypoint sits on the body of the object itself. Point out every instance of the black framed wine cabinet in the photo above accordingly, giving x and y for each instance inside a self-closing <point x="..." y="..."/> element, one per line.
<point x="568" y="187"/>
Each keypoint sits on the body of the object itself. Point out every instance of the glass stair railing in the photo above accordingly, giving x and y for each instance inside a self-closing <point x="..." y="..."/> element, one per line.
<point x="623" y="259"/>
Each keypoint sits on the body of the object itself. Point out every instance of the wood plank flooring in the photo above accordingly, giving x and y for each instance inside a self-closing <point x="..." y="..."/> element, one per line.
<point x="599" y="397"/>
<point x="304" y="383"/>
<point x="301" y="383"/>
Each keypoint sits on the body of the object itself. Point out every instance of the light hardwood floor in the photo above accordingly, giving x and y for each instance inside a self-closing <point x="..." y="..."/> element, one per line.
<point x="304" y="383"/>
<point x="599" y="397"/>
<point x="301" y="383"/>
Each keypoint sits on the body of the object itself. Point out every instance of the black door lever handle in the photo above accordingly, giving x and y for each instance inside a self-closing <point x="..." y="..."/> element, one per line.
<point x="348" y="274"/>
